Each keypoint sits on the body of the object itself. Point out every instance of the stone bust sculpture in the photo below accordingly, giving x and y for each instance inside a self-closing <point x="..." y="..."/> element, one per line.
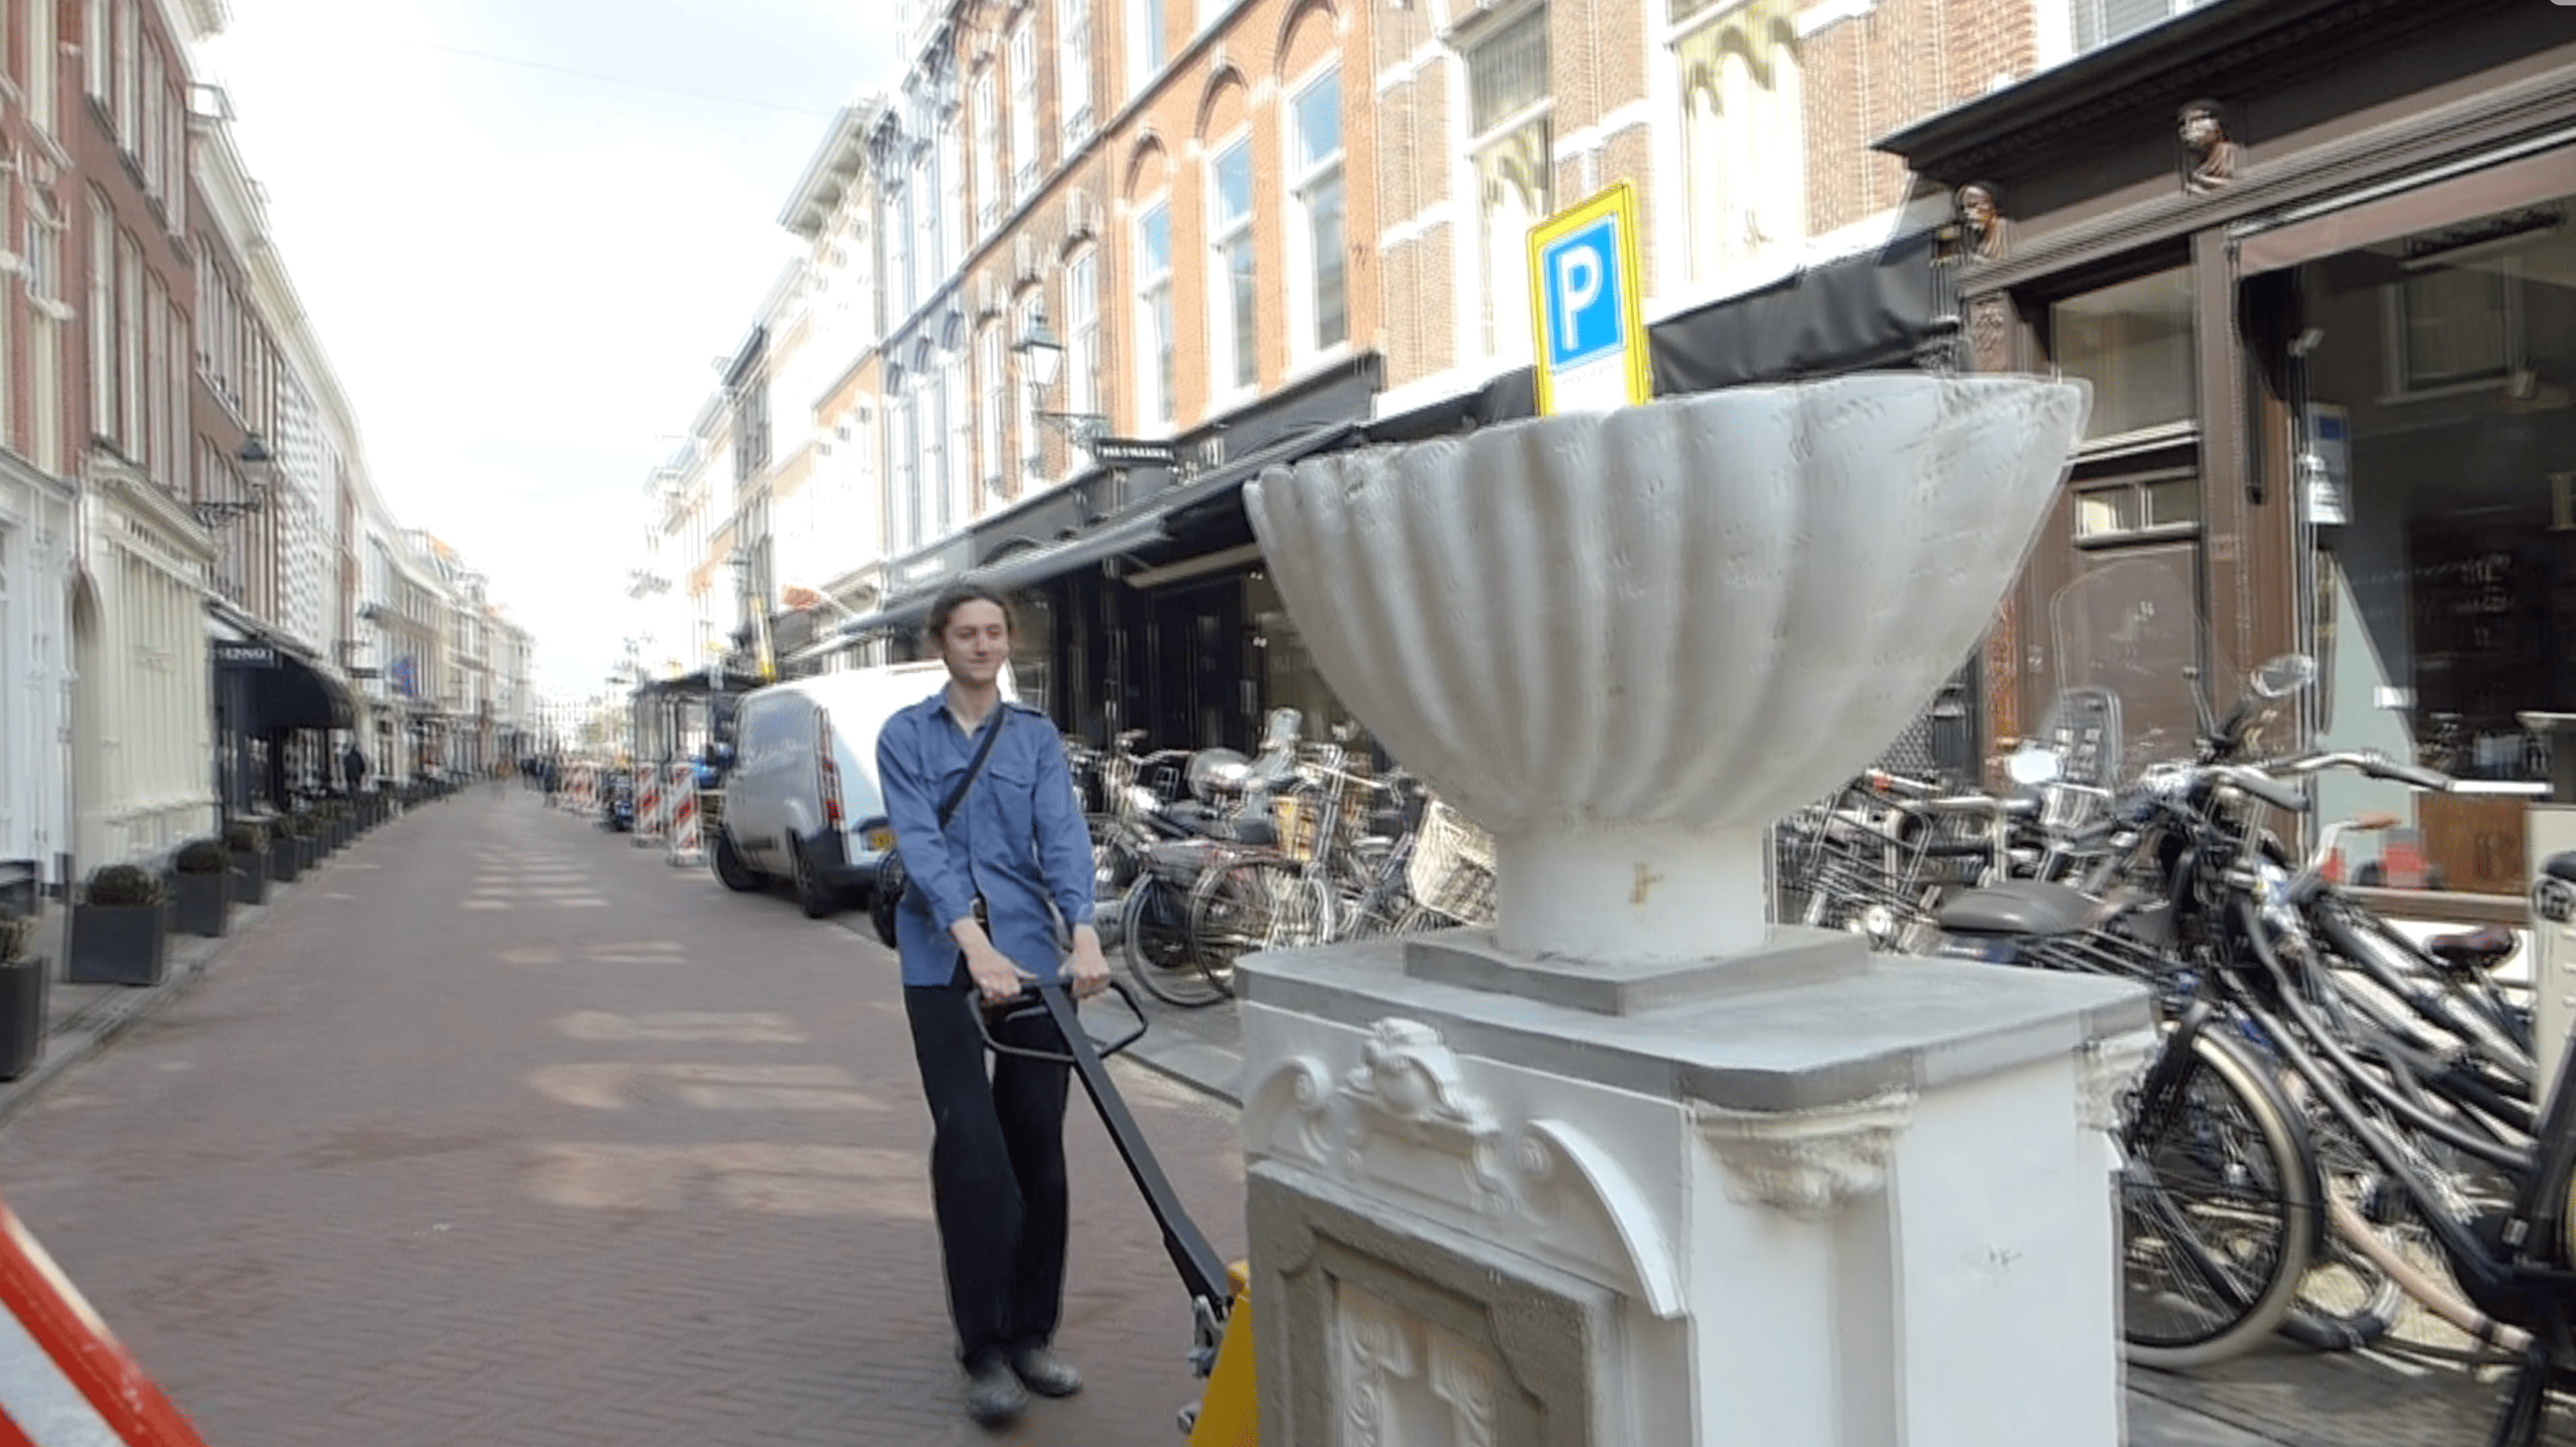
<point x="2211" y="155"/>
<point x="1981" y="221"/>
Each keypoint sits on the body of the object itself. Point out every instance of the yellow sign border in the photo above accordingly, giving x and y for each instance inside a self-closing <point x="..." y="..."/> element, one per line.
<point x="1617" y="201"/>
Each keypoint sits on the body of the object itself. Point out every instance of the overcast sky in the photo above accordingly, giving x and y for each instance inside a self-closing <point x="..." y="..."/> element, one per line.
<point x="523" y="228"/>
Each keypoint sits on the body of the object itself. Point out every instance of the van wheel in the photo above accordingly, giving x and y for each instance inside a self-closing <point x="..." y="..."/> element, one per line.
<point x="812" y="894"/>
<point x="739" y="877"/>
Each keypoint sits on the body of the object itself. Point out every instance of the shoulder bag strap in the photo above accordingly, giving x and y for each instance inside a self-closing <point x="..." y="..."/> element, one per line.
<point x="956" y="796"/>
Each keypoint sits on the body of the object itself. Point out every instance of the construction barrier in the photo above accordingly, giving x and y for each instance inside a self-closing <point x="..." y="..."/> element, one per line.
<point x="682" y="794"/>
<point x="63" y="1378"/>
<point x="648" y="805"/>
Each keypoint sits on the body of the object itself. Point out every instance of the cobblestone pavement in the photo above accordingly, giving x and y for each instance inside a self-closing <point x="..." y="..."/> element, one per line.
<point x="499" y="1131"/>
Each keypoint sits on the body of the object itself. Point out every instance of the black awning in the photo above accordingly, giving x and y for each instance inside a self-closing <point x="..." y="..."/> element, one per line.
<point x="1220" y="487"/>
<point x="267" y="689"/>
<point x="1876" y="311"/>
<point x="1036" y="565"/>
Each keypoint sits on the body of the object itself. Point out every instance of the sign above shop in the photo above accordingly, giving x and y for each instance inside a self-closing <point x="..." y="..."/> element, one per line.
<point x="246" y="655"/>
<point x="1131" y="452"/>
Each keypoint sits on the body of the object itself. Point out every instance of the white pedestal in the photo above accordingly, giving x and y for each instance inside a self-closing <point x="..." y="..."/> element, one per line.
<point x="1801" y="1195"/>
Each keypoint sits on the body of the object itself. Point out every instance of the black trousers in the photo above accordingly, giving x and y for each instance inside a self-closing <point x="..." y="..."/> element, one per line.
<point x="996" y="1171"/>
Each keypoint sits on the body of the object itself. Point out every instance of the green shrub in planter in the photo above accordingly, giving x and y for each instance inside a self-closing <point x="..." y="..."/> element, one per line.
<point x="285" y="860"/>
<point x="119" y="932"/>
<point x="22" y="998"/>
<point x="249" y="845"/>
<point x="202" y="888"/>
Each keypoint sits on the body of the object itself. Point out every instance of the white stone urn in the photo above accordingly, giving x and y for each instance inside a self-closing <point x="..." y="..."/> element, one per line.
<point x="1625" y="642"/>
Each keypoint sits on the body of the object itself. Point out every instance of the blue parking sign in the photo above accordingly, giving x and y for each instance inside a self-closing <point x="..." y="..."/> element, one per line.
<point x="1585" y="307"/>
<point x="1582" y="283"/>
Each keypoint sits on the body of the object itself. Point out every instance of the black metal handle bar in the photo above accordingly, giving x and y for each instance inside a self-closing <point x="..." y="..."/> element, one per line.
<point x="1202" y="1271"/>
<point x="1030" y="1004"/>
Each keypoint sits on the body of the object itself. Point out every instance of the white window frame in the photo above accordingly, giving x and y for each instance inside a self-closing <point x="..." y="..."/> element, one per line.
<point x="1082" y="331"/>
<point x="1763" y="158"/>
<point x="44" y="272"/>
<point x="1228" y="352"/>
<point x="921" y="209"/>
<point x="990" y="379"/>
<point x="1157" y="373"/>
<point x="1028" y="450"/>
<point x="1147" y="50"/>
<point x="1073" y="70"/>
<point x="958" y="499"/>
<point x="1021" y="161"/>
<point x="1499" y="333"/>
<point x="104" y="407"/>
<point x="951" y="211"/>
<point x="984" y="100"/>
<point x="41" y="77"/>
<point x="1305" y="264"/>
<point x="98" y="49"/>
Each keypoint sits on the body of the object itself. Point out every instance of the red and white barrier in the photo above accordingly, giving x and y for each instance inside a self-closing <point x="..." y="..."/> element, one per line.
<point x="648" y="805"/>
<point x="64" y="1381"/>
<point x="682" y="795"/>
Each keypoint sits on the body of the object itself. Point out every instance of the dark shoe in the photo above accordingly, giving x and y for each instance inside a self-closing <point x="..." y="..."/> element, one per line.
<point x="993" y="1394"/>
<point x="1047" y="1374"/>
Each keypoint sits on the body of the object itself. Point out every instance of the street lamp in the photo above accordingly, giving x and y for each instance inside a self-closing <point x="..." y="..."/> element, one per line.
<point x="259" y="469"/>
<point x="1043" y="357"/>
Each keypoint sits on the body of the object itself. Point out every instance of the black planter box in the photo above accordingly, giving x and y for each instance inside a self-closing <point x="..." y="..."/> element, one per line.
<point x="22" y="1014"/>
<point x="250" y="878"/>
<point x="21" y="887"/>
<point x="117" y="944"/>
<point x="285" y="861"/>
<point x="307" y="854"/>
<point x="203" y="903"/>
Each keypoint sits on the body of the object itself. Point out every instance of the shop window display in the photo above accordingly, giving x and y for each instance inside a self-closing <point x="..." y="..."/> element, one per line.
<point x="2434" y="474"/>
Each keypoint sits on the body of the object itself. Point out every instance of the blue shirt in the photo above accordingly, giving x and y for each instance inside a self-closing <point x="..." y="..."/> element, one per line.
<point x="1017" y="838"/>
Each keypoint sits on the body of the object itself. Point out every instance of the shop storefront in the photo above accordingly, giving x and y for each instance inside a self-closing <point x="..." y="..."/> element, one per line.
<point x="36" y="520"/>
<point x="2322" y="280"/>
<point x="280" y="717"/>
<point x="142" y="712"/>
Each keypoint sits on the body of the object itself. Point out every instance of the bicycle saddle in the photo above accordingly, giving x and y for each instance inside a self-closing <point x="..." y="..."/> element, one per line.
<point x="2482" y="948"/>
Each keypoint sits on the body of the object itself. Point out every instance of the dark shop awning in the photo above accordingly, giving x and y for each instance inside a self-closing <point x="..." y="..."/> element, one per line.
<point x="266" y="688"/>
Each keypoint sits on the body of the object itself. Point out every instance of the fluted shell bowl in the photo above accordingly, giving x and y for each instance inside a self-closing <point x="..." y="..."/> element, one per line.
<point x="1626" y="641"/>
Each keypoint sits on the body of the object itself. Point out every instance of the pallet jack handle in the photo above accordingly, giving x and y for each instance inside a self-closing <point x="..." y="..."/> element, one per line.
<point x="1203" y="1272"/>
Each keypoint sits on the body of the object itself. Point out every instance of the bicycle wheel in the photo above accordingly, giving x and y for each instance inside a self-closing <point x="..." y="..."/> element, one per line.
<point x="2218" y="1207"/>
<point x="1154" y="940"/>
<point x="1254" y="904"/>
<point x="2346" y="1301"/>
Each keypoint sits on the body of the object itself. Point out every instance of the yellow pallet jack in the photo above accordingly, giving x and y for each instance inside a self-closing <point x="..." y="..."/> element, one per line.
<point x="1227" y="1413"/>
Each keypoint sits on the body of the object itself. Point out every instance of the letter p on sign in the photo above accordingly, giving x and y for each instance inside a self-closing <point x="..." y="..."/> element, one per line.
<point x="1578" y="286"/>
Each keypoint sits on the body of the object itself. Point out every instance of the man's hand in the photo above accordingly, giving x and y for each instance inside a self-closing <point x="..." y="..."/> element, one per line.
<point x="1084" y="967"/>
<point x="996" y="978"/>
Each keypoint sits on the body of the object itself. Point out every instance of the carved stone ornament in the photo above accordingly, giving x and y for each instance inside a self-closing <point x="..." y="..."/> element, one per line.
<point x="1405" y="1121"/>
<point x="2209" y="153"/>
<point x="1981" y="221"/>
<point x="1990" y="332"/>
<point x="2108" y="1073"/>
<point x="1376" y="1352"/>
<point x="1806" y="1162"/>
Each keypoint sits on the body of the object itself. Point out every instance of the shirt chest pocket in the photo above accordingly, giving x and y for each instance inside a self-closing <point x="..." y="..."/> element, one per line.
<point x="1013" y="801"/>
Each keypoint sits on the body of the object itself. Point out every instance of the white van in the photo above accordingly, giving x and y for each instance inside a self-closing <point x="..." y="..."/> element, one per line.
<point x="801" y="801"/>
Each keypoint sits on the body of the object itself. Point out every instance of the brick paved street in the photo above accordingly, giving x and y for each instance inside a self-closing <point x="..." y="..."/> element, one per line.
<point x="501" y="1131"/>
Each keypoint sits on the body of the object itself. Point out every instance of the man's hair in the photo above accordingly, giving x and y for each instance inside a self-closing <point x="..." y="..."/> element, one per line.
<point x="957" y="595"/>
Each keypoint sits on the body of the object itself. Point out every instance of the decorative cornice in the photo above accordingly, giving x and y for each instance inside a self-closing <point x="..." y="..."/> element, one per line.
<point x="1807" y="1163"/>
<point x="2414" y="143"/>
<point x="2258" y="44"/>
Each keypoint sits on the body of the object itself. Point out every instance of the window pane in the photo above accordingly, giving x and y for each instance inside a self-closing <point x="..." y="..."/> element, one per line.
<point x="2133" y="343"/>
<point x="1238" y="265"/>
<point x="1319" y="122"/>
<point x="2445" y="525"/>
<point x="2106" y="513"/>
<point x="1233" y="174"/>
<point x="1507" y="74"/>
<point x="1154" y="238"/>
<point x="1332" y="300"/>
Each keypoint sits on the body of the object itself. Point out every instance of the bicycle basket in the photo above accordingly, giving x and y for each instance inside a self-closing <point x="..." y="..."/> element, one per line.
<point x="1451" y="871"/>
